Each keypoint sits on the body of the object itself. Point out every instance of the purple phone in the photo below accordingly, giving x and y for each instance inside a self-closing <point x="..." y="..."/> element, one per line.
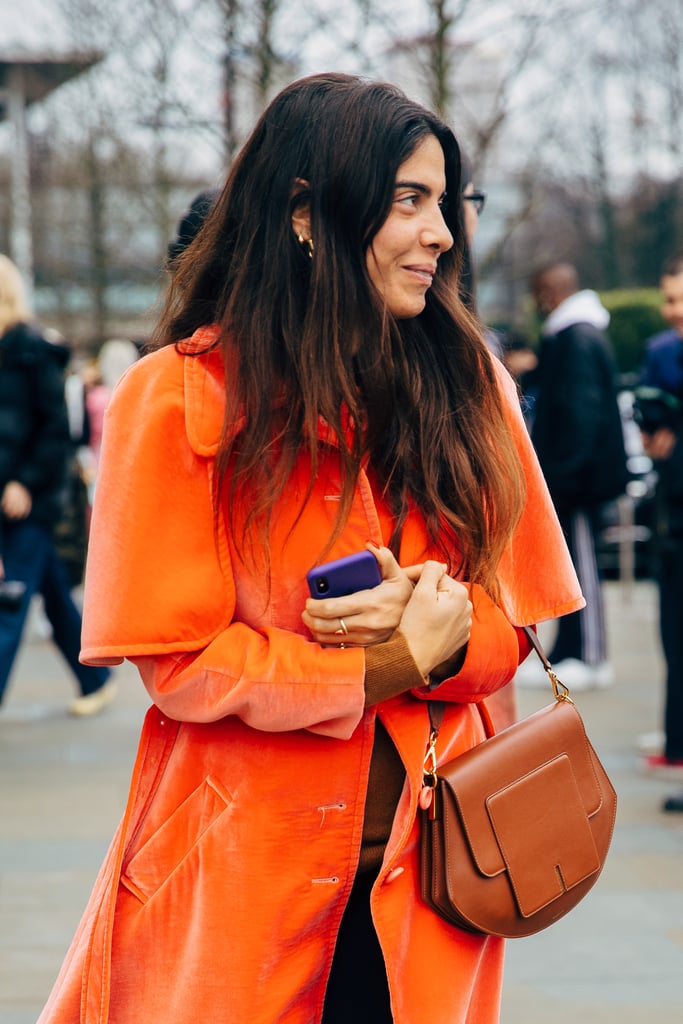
<point x="359" y="571"/>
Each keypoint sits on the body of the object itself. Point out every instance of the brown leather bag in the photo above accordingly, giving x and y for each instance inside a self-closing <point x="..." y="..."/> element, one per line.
<point x="519" y="826"/>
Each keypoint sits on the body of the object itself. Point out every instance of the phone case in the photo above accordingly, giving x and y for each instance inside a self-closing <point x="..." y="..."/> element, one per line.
<point x="359" y="571"/>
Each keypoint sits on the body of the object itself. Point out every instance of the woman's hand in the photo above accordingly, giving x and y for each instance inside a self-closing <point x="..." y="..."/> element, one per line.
<point x="370" y="616"/>
<point x="16" y="500"/>
<point x="437" y="620"/>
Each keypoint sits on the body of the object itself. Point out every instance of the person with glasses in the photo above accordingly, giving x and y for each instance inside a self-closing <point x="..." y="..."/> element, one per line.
<point x="475" y="201"/>
<point x="477" y="198"/>
<point x="471" y="208"/>
<point x="503" y="703"/>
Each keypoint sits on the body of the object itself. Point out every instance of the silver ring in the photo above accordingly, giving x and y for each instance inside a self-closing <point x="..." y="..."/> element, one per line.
<point x="342" y="631"/>
<point x="342" y="647"/>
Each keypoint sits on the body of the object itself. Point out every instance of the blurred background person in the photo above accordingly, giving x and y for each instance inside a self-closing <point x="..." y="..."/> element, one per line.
<point x="659" y="402"/>
<point x="34" y="449"/>
<point x="70" y="533"/>
<point x="520" y="360"/>
<point x="576" y="430"/>
<point x="113" y="359"/>
<point x="474" y="201"/>
<point x="190" y="222"/>
<point x="502" y="704"/>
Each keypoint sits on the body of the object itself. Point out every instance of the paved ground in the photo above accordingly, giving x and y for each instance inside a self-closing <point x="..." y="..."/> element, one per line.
<point x="617" y="959"/>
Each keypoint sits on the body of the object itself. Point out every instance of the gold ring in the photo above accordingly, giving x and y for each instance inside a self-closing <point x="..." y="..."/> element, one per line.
<point x="342" y="627"/>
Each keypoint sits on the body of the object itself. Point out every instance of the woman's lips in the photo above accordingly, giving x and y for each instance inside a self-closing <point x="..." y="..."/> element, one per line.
<point x="424" y="272"/>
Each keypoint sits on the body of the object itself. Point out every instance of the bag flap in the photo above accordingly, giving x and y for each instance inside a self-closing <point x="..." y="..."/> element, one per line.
<point x="543" y="834"/>
<point x="492" y="767"/>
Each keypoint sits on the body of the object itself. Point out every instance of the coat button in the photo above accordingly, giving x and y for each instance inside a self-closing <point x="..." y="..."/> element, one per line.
<point x="394" y="874"/>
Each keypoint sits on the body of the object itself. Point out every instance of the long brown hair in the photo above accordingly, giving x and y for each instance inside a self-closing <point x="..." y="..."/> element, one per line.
<point x="311" y="338"/>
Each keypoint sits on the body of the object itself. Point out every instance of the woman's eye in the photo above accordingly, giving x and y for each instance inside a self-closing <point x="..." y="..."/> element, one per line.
<point x="410" y="199"/>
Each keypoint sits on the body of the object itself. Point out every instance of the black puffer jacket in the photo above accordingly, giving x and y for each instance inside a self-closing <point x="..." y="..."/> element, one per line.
<point x="34" y="432"/>
<point x="577" y="428"/>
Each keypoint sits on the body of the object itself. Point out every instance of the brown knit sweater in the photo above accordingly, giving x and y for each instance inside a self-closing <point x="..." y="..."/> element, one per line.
<point x="389" y="670"/>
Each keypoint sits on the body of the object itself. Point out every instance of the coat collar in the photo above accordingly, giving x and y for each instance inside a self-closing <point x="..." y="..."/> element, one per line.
<point x="206" y="369"/>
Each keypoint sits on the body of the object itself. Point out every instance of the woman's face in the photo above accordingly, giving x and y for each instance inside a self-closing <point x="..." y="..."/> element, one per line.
<point x="402" y="257"/>
<point x="672" y="304"/>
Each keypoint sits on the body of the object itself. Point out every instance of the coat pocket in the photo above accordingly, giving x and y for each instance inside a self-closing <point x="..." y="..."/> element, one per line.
<point x="167" y="848"/>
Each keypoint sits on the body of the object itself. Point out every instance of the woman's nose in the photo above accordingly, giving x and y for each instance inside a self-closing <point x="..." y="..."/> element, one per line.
<point x="436" y="234"/>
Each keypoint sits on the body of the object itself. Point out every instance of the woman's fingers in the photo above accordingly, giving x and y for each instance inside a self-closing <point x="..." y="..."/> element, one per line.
<point x="369" y="616"/>
<point x="437" y="619"/>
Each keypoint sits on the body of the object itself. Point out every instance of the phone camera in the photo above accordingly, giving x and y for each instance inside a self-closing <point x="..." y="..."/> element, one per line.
<point x="322" y="584"/>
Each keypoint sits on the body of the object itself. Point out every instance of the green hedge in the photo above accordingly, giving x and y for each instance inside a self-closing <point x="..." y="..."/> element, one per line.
<point x="635" y="316"/>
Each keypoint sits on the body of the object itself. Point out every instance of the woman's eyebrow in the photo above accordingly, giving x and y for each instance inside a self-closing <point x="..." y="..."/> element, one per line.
<point x="417" y="186"/>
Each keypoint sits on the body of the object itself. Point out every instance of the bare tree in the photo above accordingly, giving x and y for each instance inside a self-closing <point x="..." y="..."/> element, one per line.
<point x="116" y="162"/>
<point x="230" y="11"/>
<point x="252" y="60"/>
<point x="581" y="99"/>
<point x="440" y="54"/>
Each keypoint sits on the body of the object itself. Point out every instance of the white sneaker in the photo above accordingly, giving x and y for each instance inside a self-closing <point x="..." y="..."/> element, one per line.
<point x="93" y="703"/>
<point x="578" y="676"/>
<point x="651" y="742"/>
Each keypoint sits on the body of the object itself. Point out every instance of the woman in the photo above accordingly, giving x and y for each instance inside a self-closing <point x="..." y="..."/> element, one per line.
<point x="266" y="869"/>
<point x="34" y="449"/>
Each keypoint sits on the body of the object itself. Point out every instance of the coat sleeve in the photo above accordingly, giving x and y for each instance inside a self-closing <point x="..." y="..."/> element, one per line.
<point x="159" y="587"/>
<point x="494" y="650"/>
<point x="274" y="680"/>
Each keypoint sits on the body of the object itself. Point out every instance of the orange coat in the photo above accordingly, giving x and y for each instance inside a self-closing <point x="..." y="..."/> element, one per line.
<point x="223" y="889"/>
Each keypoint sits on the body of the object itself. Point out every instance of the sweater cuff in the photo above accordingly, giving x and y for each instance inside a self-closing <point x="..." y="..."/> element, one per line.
<point x="390" y="670"/>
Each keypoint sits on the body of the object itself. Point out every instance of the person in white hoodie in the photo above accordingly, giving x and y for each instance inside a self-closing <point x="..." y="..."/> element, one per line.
<point x="578" y="437"/>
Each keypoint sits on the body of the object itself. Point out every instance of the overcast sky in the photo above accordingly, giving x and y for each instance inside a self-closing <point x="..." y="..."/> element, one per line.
<point x="31" y="24"/>
<point x="579" y="102"/>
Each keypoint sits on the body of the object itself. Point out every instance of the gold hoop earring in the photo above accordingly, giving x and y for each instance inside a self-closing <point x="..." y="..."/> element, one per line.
<point x="308" y="243"/>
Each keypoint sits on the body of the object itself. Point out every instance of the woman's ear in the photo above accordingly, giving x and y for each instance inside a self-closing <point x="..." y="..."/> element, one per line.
<point x="301" y="222"/>
<point x="301" y="210"/>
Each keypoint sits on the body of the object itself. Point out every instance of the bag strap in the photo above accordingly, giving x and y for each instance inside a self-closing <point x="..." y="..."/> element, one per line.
<point x="437" y="708"/>
<point x="532" y="637"/>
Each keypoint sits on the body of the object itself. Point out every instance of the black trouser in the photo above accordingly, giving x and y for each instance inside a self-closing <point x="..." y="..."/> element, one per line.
<point x="357" y="991"/>
<point x="671" y="629"/>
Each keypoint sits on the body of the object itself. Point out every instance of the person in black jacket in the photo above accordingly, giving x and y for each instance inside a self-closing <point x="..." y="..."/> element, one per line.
<point x="576" y="430"/>
<point x="34" y="447"/>
<point x="663" y="441"/>
<point x="659" y="411"/>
